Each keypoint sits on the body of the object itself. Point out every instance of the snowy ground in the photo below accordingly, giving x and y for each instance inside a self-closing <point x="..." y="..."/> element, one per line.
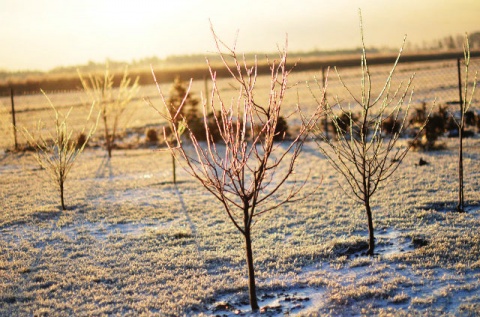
<point x="132" y="243"/>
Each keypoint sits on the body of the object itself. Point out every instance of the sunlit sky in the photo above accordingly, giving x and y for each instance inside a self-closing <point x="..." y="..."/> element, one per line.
<point x="43" y="34"/>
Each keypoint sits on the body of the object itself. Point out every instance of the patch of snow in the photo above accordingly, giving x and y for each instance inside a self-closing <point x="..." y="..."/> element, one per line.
<point x="286" y="302"/>
<point x="390" y="241"/>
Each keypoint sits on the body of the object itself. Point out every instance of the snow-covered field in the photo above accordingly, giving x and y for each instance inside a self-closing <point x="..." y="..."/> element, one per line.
<point x="132" y="243"/>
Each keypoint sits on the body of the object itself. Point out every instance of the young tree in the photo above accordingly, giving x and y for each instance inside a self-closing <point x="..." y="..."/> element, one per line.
<point x="110" y="103"/>
<point x="361" y="153"/>
<point x="246" y="171"/>
<point x="179" y="94"/>
<point x="181" y="105"/>
<point x="465" y="104"/>
<point x="57" y="152"/>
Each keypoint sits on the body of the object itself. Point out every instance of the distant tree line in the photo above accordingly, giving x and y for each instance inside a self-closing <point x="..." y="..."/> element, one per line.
<point x="451" y="42"/>
<point x="193" y="65"/>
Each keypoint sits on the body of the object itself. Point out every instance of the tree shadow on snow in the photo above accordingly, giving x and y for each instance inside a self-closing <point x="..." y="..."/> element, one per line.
<point x="450" y="206"/>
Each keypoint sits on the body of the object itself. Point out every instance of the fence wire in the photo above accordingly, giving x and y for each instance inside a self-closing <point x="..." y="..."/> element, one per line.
<point x="436" y="85"/>
<point x="434" y="81"/>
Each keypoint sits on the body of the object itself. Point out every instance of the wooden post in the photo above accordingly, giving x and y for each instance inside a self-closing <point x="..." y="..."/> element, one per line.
<point x="13" y="119"/>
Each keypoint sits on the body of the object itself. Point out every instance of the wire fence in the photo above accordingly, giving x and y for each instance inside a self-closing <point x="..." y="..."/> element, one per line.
<point x="432" y="81"/>
<point x="439" y="81"/>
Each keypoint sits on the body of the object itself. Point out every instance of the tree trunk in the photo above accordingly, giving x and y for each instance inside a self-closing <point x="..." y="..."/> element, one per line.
<point x="251" y="272"/>
<point x="460" y="205"/>
<point x="108" y="140"/>
<point x="174" y="170"/>
<point x="109" y="145"/>
<point x="61" y="196"/>
<point x="371" y="237"/>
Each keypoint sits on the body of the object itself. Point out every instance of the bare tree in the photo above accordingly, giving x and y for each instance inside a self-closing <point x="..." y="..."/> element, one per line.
<point x="466" y="99"/>
<point x="245" y="170"/>
<point x="361" y="153"/>
<point x="57" y="152"/>
<point x="110" y="103"/>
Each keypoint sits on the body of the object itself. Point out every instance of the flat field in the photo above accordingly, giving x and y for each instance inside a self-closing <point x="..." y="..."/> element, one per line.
<point x="132" y="243"/>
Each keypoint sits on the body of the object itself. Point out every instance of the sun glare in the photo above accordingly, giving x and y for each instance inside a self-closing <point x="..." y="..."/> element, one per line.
<point x="45" y="34"/>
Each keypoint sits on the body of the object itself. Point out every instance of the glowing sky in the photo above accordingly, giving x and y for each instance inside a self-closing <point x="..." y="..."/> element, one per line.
<point x="42" y="34"/>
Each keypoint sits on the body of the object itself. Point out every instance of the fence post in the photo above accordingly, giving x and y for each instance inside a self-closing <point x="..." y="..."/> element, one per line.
<point x="13" y="119"/>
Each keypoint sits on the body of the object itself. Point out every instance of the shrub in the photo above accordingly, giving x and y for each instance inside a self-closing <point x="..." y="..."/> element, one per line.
<point x="281" y="129"/>
<point x="346" y="125"/>
<point x="435" y="128"/>
<point x="151" y="136"/>
<point x="391" y="126"/>
<point x="82" y="140"/>
<point x="182" y="105"/>
<point x="470" y="118"/>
